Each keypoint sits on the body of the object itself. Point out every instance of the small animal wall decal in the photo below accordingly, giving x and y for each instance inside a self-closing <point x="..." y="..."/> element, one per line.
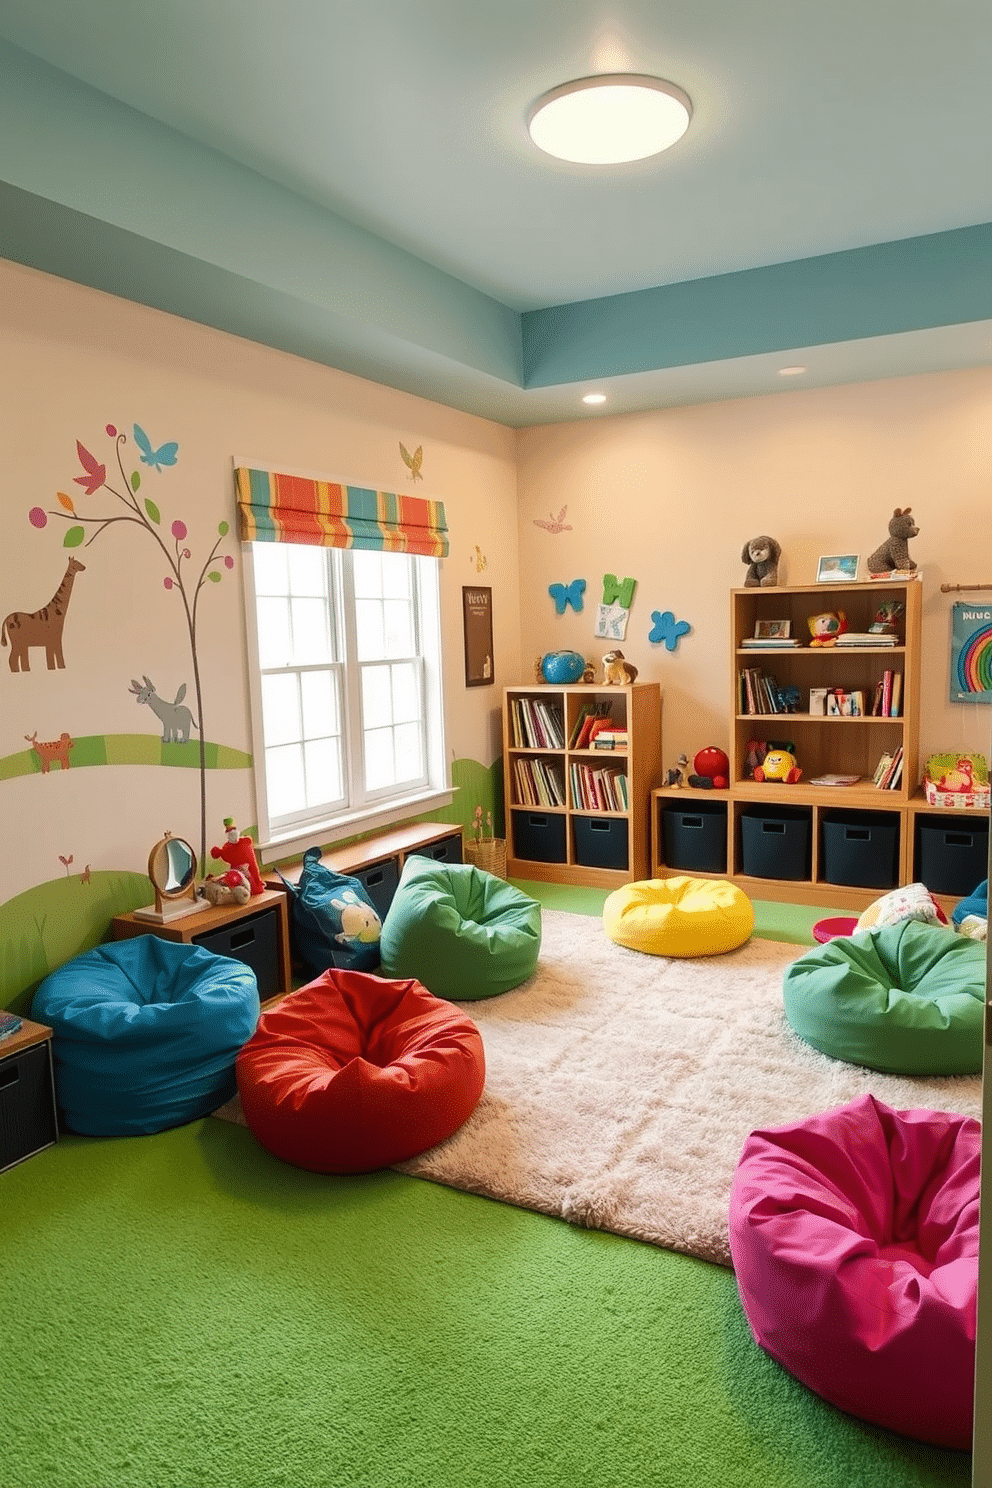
<point x="54" y="751"/>
<point x="554" y="524"/>
<point x="413" y="462"/>
<point x="568" y="594"/>
<point x="156" y="458"/>
<point x="84" y="877"/>
<point x="66" y="863"/>
<point x="42" y="627"/>
<point x="175" y="717"/>
<point x="666" y="628"/>
<point x="479" y="559"/>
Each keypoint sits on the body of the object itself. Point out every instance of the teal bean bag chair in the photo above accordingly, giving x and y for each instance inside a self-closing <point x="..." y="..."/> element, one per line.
<point x="459" y="931"/>
<point x="145" y="1033"/>
<point x="907" y="999"/>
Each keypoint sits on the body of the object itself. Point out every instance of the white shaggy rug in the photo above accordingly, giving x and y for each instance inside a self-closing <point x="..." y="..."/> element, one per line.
<point x="620" y="1087"/>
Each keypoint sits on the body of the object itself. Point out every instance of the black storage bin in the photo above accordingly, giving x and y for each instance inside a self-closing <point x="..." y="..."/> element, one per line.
<point x="861" y="849"/>
<point x="539" y="836"/>
<point x="776" y="842"/>
<point x="601" y="841"/>
<point x="448" y="850"/>
<point x="379" y="881"/>
<point x="952" y="856"/>
<point x="695" y="838"/>
<point x="253" y="940"/>
<point x="27" y="1104"/>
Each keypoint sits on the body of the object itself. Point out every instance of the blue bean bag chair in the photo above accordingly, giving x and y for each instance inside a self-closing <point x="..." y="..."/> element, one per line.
<point x="461" y="932"/>
<point x="145" y="1033"/>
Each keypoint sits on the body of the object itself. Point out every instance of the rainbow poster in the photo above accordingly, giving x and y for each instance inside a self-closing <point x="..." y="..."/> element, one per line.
<point x="971" y="654"/>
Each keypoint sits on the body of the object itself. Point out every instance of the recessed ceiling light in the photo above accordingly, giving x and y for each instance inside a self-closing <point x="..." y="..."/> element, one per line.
<point x="594" y="397"/>
<point x="609" y="119"/>
<point x="791" y="371"/>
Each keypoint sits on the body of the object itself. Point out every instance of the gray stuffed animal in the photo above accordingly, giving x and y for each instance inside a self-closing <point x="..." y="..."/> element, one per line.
<point x="895" y="552"/>
<point x="762" y="555"/>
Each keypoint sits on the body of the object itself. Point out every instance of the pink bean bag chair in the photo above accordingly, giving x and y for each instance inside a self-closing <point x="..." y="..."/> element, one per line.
<point x="854" y="1238"/>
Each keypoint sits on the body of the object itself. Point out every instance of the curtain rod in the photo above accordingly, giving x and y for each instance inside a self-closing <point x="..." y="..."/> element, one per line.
<point x="956" y="588"/>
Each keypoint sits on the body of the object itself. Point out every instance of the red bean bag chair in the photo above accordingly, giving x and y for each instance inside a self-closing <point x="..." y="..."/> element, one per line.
<point x="854" y="1238"/>
<point x="354" y="1072"/>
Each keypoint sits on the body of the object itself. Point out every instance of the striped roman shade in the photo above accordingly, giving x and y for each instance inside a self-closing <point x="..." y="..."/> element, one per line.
<point x="291" y="508"/>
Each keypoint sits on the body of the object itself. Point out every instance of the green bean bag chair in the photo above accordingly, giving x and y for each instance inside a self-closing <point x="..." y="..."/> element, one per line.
<point x="459" y="931"/>
<point x="907" y="999"/>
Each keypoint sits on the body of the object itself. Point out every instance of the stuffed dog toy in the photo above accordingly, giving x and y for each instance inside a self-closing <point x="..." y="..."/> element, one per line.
<point x="761" y="555"/>
<point x="616" y="671"/>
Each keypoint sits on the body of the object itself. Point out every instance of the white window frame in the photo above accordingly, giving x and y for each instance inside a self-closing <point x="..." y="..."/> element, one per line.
<point x="362" y="810"/>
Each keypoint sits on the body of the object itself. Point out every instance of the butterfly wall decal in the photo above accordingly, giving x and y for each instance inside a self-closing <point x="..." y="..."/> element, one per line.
<point x="413" y="462"/>
<point x="164" y="455"/>
<point x="616" y="593"/>
<point x="568" y="594"/>
<point x="666" y="628"/>
<point x="554" y="523"/>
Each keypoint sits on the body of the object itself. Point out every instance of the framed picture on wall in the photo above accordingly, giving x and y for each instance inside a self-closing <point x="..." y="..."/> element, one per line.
<point x="477" y="620"/>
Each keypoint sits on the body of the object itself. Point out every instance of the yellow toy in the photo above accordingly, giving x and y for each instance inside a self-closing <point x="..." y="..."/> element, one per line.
<point x="827" y="627"/>
<point x="779" y="764"/>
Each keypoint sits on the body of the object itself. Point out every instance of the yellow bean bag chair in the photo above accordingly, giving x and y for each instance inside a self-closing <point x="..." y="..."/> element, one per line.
<point x="679" y="916"/>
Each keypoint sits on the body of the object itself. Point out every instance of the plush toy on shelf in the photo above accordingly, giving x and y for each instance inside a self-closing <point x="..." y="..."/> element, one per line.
<point x="617" y="672"/>
<point x="827" y="627"/>
<point x="239" y="852"/>
<point x="894" y="552"/>
<point x="761" y="555"/>
<point x="231" y="887"/>
<point x="779" y="764"/>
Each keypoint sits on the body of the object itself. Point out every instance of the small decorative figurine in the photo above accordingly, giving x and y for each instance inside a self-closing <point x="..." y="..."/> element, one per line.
<point x="761" y="555"/>
<point x="894" y="552"/>
<point x="616" y="671"/>
<point x="239" y="852"/>
<point x="676" y="776"/>
<point x="779" y="764"/>
<point x="825" y="628"/>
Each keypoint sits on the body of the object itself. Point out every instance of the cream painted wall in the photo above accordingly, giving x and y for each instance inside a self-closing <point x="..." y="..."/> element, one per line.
<point x="670" y="498"/>
<point x="75" y="360"/>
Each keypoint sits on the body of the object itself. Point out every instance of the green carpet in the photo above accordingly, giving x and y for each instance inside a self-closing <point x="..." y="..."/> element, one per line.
<point x="184" y="1310"/>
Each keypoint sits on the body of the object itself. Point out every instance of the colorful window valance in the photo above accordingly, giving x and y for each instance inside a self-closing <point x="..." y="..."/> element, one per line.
<point x="291" y="508"/>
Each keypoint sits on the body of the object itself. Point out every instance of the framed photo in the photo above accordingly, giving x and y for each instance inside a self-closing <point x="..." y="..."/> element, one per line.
<point x="838" y="568"/>
<point x="477" y="620"/>
<point x="772" y="630"/>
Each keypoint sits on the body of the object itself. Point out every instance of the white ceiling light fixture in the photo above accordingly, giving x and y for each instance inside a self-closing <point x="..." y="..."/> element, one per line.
<point x="594" y="397"/>
<point x="610" y="119"/>
<point x="791" y="371"/>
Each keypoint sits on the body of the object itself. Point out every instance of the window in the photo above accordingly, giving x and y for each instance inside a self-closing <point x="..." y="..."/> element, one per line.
<point x="346" y="686"/>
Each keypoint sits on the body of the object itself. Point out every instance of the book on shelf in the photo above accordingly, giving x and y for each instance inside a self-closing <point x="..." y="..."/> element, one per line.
<point x="900" y="575"/>
<point x="864" y="638"/>
<point x="835" y="780"/>
<point x="10" y="1024"/>
<point x="770" y="643"/>
<point x="888" y="771"/>
<point x="591" y="714"/>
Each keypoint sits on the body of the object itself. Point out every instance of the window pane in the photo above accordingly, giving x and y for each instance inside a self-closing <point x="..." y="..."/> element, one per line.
<point x="320" y="704"/>
<point x="307" y="569"/>
<point x="367" y="573"/>
<point x="275" y="647"/>
<point x="281" y="708"/>
<point x="396" y="575"/>
<point x="377" y="703"/>
<point x="325" y="779"/>
<point x="311" y="631"/>
<point x="284" y="780"/>
<point x="398" y="625"/>
<point x="379" y="767"/>
<point x="271" y="567"/>
<point x="406" y="692"/>
<point x="368" y="630"/>
<point x="408" y="750"/>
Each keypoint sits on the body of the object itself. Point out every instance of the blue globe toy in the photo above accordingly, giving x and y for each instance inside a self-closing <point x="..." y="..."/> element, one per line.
<point x="563" y="666"/>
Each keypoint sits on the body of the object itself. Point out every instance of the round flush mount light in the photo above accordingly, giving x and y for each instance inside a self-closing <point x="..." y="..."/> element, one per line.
<point x="594" y="397"/>
<point x="609" y="119"/>
<point x="791" y="371"/>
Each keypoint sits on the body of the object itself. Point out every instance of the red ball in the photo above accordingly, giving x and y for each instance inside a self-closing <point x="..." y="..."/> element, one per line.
<point x="713" y="763"/>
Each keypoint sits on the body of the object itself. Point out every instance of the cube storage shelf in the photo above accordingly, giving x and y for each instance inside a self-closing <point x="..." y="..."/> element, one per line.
<point x="836" y="846"/>
<point x="568" y="819"/>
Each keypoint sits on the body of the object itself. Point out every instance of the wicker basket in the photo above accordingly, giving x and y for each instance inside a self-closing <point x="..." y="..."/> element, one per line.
<point x="489" y="855"/>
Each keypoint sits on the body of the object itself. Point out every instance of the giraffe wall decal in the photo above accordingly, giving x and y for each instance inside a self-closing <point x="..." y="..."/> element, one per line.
<point x="42" y="628"/>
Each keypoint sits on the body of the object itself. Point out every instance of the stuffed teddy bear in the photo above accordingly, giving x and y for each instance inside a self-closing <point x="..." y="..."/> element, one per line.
<point x="761" y="555"/>
<point x="894" y="553"/>
<point x="231" y="887"/>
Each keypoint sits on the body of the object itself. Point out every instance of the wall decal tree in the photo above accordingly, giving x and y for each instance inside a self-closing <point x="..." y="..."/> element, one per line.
<point x="144" y="513"/>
